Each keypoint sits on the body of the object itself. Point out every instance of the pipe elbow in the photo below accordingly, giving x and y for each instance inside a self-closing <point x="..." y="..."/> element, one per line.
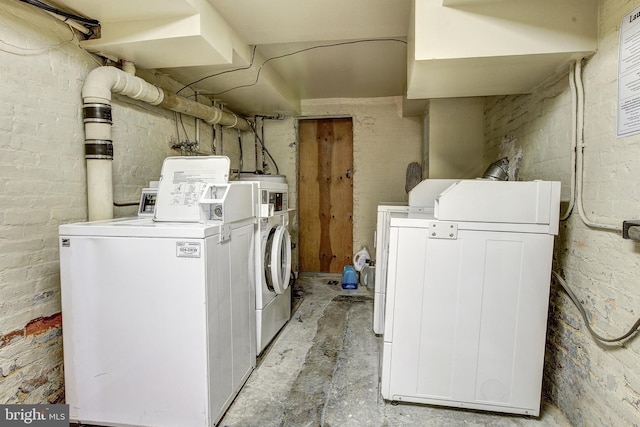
<point x="98" y="85"/>
<point x="101" y="82"/>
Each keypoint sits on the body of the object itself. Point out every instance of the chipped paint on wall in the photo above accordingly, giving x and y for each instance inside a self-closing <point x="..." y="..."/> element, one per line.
<point x="509" y="148"/>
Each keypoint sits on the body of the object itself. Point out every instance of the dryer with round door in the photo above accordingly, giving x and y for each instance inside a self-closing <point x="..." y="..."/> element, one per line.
<point x="272" y="259"/>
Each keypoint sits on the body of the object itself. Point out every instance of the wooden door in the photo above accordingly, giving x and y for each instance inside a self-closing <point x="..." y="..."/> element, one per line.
<point x="325" y="195"/>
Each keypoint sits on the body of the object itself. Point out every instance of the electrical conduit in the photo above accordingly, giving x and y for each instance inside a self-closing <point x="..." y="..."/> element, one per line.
<point x="574" y="138"/>
<point x="580" y="153"/>
<point x="96" y="96"/>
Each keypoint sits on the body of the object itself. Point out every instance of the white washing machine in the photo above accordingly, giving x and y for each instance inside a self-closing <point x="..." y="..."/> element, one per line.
<point x="158" y="316"/>
<point x="467" y="297"/>
<point x="272" y="257"/>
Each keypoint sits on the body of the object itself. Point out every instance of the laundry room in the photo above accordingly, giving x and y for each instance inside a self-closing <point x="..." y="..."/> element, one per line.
<point x="301" y="127"/>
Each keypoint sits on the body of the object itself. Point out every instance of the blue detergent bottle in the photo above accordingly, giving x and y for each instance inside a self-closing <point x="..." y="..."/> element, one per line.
<point x="349" y="278"/>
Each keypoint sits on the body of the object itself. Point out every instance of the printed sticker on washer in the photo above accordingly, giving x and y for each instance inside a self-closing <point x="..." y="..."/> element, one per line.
<point x="188" y="249"/>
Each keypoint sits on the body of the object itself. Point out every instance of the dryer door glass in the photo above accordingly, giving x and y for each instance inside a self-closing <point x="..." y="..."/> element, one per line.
<point x="277" y="262"/>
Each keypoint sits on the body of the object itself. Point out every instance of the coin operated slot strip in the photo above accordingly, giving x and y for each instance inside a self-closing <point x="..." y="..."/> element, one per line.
<point x="212" y="202"/>
<point x="225" y="203"/>
<point x="272" y="202"/>
<point x="147" y="204"/>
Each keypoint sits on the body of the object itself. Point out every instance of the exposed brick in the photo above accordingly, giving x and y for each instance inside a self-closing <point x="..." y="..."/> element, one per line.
<point x="42" y="184"/>
<point x="591" y="383"/>
<point x="42" y="324"/>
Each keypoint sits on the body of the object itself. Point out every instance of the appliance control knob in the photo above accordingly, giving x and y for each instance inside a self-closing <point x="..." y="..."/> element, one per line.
<point x="218" y="211"/>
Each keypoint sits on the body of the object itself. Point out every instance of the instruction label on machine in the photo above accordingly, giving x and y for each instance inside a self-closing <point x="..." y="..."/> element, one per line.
<point x="188" y="249"/>
<point x="187" y="187"/>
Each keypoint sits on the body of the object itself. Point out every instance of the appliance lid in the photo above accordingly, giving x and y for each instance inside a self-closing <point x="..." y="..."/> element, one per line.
<point x="244" y="176"/>
<point x="516" y="202"/>
<point x="182" y="183"/>
<point x="425" y="193"/>
<point x="140" y="228"/>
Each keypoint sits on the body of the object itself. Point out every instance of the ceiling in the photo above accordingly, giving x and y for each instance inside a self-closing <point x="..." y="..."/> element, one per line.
<point x="259" y="57"/>
<point x="282" y="51"/>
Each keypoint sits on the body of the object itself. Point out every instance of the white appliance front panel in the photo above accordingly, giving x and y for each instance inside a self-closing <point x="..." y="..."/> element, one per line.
<point x="381" y="257"/>
<point x="466" y="319"/>
<point x="273" y="310"/>
<point x="135" y="330"/>
<point x="243" y="316"/>
<point x="385" y="213"/>
<point x="231" y="344"/>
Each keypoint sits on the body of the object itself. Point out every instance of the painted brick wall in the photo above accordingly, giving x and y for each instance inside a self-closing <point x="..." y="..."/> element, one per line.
<point x="42" y="184"/>
<point x="592" y="384"/>
<point x="41" y="181"/>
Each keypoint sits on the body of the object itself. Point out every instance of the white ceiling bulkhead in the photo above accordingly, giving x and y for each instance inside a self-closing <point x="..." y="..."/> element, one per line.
<point x="262" y="58"/>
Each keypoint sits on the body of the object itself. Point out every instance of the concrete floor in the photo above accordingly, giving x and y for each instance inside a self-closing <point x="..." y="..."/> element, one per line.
<point x="322" y="370"/>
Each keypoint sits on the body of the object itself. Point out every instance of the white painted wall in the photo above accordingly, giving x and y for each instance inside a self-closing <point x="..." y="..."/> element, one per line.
<point x="592" y="384"/>
<point x="456" y="143"/>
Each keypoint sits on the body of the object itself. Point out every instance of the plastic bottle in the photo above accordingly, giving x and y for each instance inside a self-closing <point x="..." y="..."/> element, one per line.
<point x="349" y="278"/>
<point x="367" y="275"/>
<point x="361" y="258"/>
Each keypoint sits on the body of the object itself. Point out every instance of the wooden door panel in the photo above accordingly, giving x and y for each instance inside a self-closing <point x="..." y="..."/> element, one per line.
<point x="326" y="194"/>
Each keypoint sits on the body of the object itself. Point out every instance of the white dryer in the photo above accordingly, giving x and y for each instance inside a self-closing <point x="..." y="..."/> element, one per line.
<point x="272" y="257"/>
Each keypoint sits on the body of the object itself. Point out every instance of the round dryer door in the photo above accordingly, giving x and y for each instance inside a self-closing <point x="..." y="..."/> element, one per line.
<point x="277" y="262"/>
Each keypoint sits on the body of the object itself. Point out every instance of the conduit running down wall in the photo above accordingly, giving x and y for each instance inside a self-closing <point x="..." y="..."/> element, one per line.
<point x="96" y="97"/>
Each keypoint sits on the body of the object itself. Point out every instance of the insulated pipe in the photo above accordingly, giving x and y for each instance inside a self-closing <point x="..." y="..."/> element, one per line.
<point x="211" y="115"/>
<point x="100" y="83"/>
